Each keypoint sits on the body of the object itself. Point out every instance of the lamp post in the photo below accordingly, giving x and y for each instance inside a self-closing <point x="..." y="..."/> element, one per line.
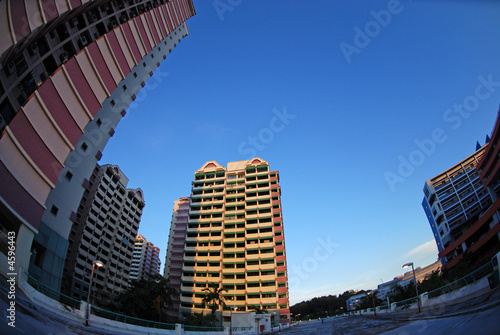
<point x="87" y="314"/>
<point x="373" y="299"/>
<point x="415" y="279"/>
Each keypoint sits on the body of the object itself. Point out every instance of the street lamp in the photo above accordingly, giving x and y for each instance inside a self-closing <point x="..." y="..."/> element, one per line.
<point x="373" y="299"/>
<point x="94" y="264"/>
<point x="415" y="279"/>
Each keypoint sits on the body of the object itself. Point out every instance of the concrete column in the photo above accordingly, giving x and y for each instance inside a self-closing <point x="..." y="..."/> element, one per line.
<point x="423" y="299"/>
<point x="179" y="329"/>
<point x="83" y="310"/>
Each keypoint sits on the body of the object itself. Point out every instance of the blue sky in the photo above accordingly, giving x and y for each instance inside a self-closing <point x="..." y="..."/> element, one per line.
<point x="356" y="103"/>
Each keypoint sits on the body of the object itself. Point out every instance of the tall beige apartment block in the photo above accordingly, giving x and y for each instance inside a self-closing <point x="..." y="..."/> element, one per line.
<point x="235" y="240"/>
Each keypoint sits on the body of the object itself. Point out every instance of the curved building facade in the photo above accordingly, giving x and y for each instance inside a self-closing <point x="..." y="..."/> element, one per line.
<point x="69" y="70"/>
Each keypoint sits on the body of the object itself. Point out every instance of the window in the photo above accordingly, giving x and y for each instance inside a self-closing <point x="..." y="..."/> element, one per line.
<point x="54" y="210"/>
<point x="84" y="146"/>
<point x="99" y="122"/>
<point x="69" y="175"/>
<point x="124" y="87"/>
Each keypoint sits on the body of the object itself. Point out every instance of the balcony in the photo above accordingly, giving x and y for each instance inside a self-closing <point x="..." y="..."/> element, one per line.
<point x="253" y="267"/>
<point x="268" y="278"/>
<point x="253" y="289"/>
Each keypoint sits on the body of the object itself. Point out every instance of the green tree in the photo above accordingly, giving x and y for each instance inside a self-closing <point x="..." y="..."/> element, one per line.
<point x="199" y="319"/>
<point x="213" y="297"/>
<point x="147" y="299"/>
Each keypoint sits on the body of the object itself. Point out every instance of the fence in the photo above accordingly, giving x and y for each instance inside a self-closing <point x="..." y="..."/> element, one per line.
<point x="75" y="304"/>
<point x="53" y="294"/>
<point x="472" y="277"/>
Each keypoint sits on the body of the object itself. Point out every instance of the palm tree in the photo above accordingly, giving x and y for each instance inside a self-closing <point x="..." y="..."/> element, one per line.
<point x="162" y="294"/>
<point x="214" y="298"/>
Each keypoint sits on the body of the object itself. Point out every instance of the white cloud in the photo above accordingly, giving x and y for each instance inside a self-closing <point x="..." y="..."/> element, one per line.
<point x="422" y="251"/>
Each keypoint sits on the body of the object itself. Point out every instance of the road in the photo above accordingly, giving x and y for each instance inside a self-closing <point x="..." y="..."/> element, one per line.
<point x="32" y="320"/>
<point x="485" y="322"/>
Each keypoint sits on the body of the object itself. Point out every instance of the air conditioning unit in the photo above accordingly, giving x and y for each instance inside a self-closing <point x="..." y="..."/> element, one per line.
<point x="33" y="49"/>
<point x="64" y="56"/>
<point x="11" y="67"/>
<point x="83" y="39"/>
<point x="74" y="22"/>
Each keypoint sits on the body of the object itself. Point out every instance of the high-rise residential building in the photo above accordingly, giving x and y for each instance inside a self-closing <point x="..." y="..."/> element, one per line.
<point x="146" y="260"/>
<point x="105" y="229"/>
<point x="68" y="72"/>
<point x="235" y="240"/>
<point x="175" y="252"/>
<point x="459" y="206"/>
<point x="453" y="199"/>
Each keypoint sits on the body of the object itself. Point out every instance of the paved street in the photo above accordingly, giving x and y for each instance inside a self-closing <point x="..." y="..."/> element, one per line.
<point x="484" y="322"/>
<point x="33" y="320"/>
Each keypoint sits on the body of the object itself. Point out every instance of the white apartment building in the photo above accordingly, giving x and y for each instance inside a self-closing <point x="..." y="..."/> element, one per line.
<point x="104" y="229"/>
<point x="146" y="259"/>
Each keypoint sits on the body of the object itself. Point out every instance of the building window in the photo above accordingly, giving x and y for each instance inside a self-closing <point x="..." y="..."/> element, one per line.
<point x="124" y="87"/>
<point x="99" y="122"/>
<point x="84" y="147"/>
<point x="113" y="103"/>
<point x="54" y="210"/>
<point x="69" y="175"/>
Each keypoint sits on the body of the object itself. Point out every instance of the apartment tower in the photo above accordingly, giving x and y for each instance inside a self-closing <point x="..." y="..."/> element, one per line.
<point x="68" y="72"/>
<point x="105" y="229"/>
<point x="146" y="260"/>
<point x="175" y="251"/>
<point x="235" y="240"/>
<point x="454" y="202"/>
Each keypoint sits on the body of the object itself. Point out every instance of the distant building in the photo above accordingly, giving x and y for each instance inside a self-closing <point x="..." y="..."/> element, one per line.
<point x="454" y="201"/>
<point x="104" y="229"/>
<point x="234" y="240"/>
<point x="389" y="288"/>
<point x="354" y="301"/>
<point x="145" y="261"/>
<point x="175" y="252"/>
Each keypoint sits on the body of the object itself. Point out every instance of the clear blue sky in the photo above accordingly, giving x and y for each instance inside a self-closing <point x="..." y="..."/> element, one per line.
<point x="356" y="103"/>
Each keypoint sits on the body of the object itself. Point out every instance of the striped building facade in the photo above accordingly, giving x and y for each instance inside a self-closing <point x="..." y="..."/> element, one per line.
<point x="69" y="70"/>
